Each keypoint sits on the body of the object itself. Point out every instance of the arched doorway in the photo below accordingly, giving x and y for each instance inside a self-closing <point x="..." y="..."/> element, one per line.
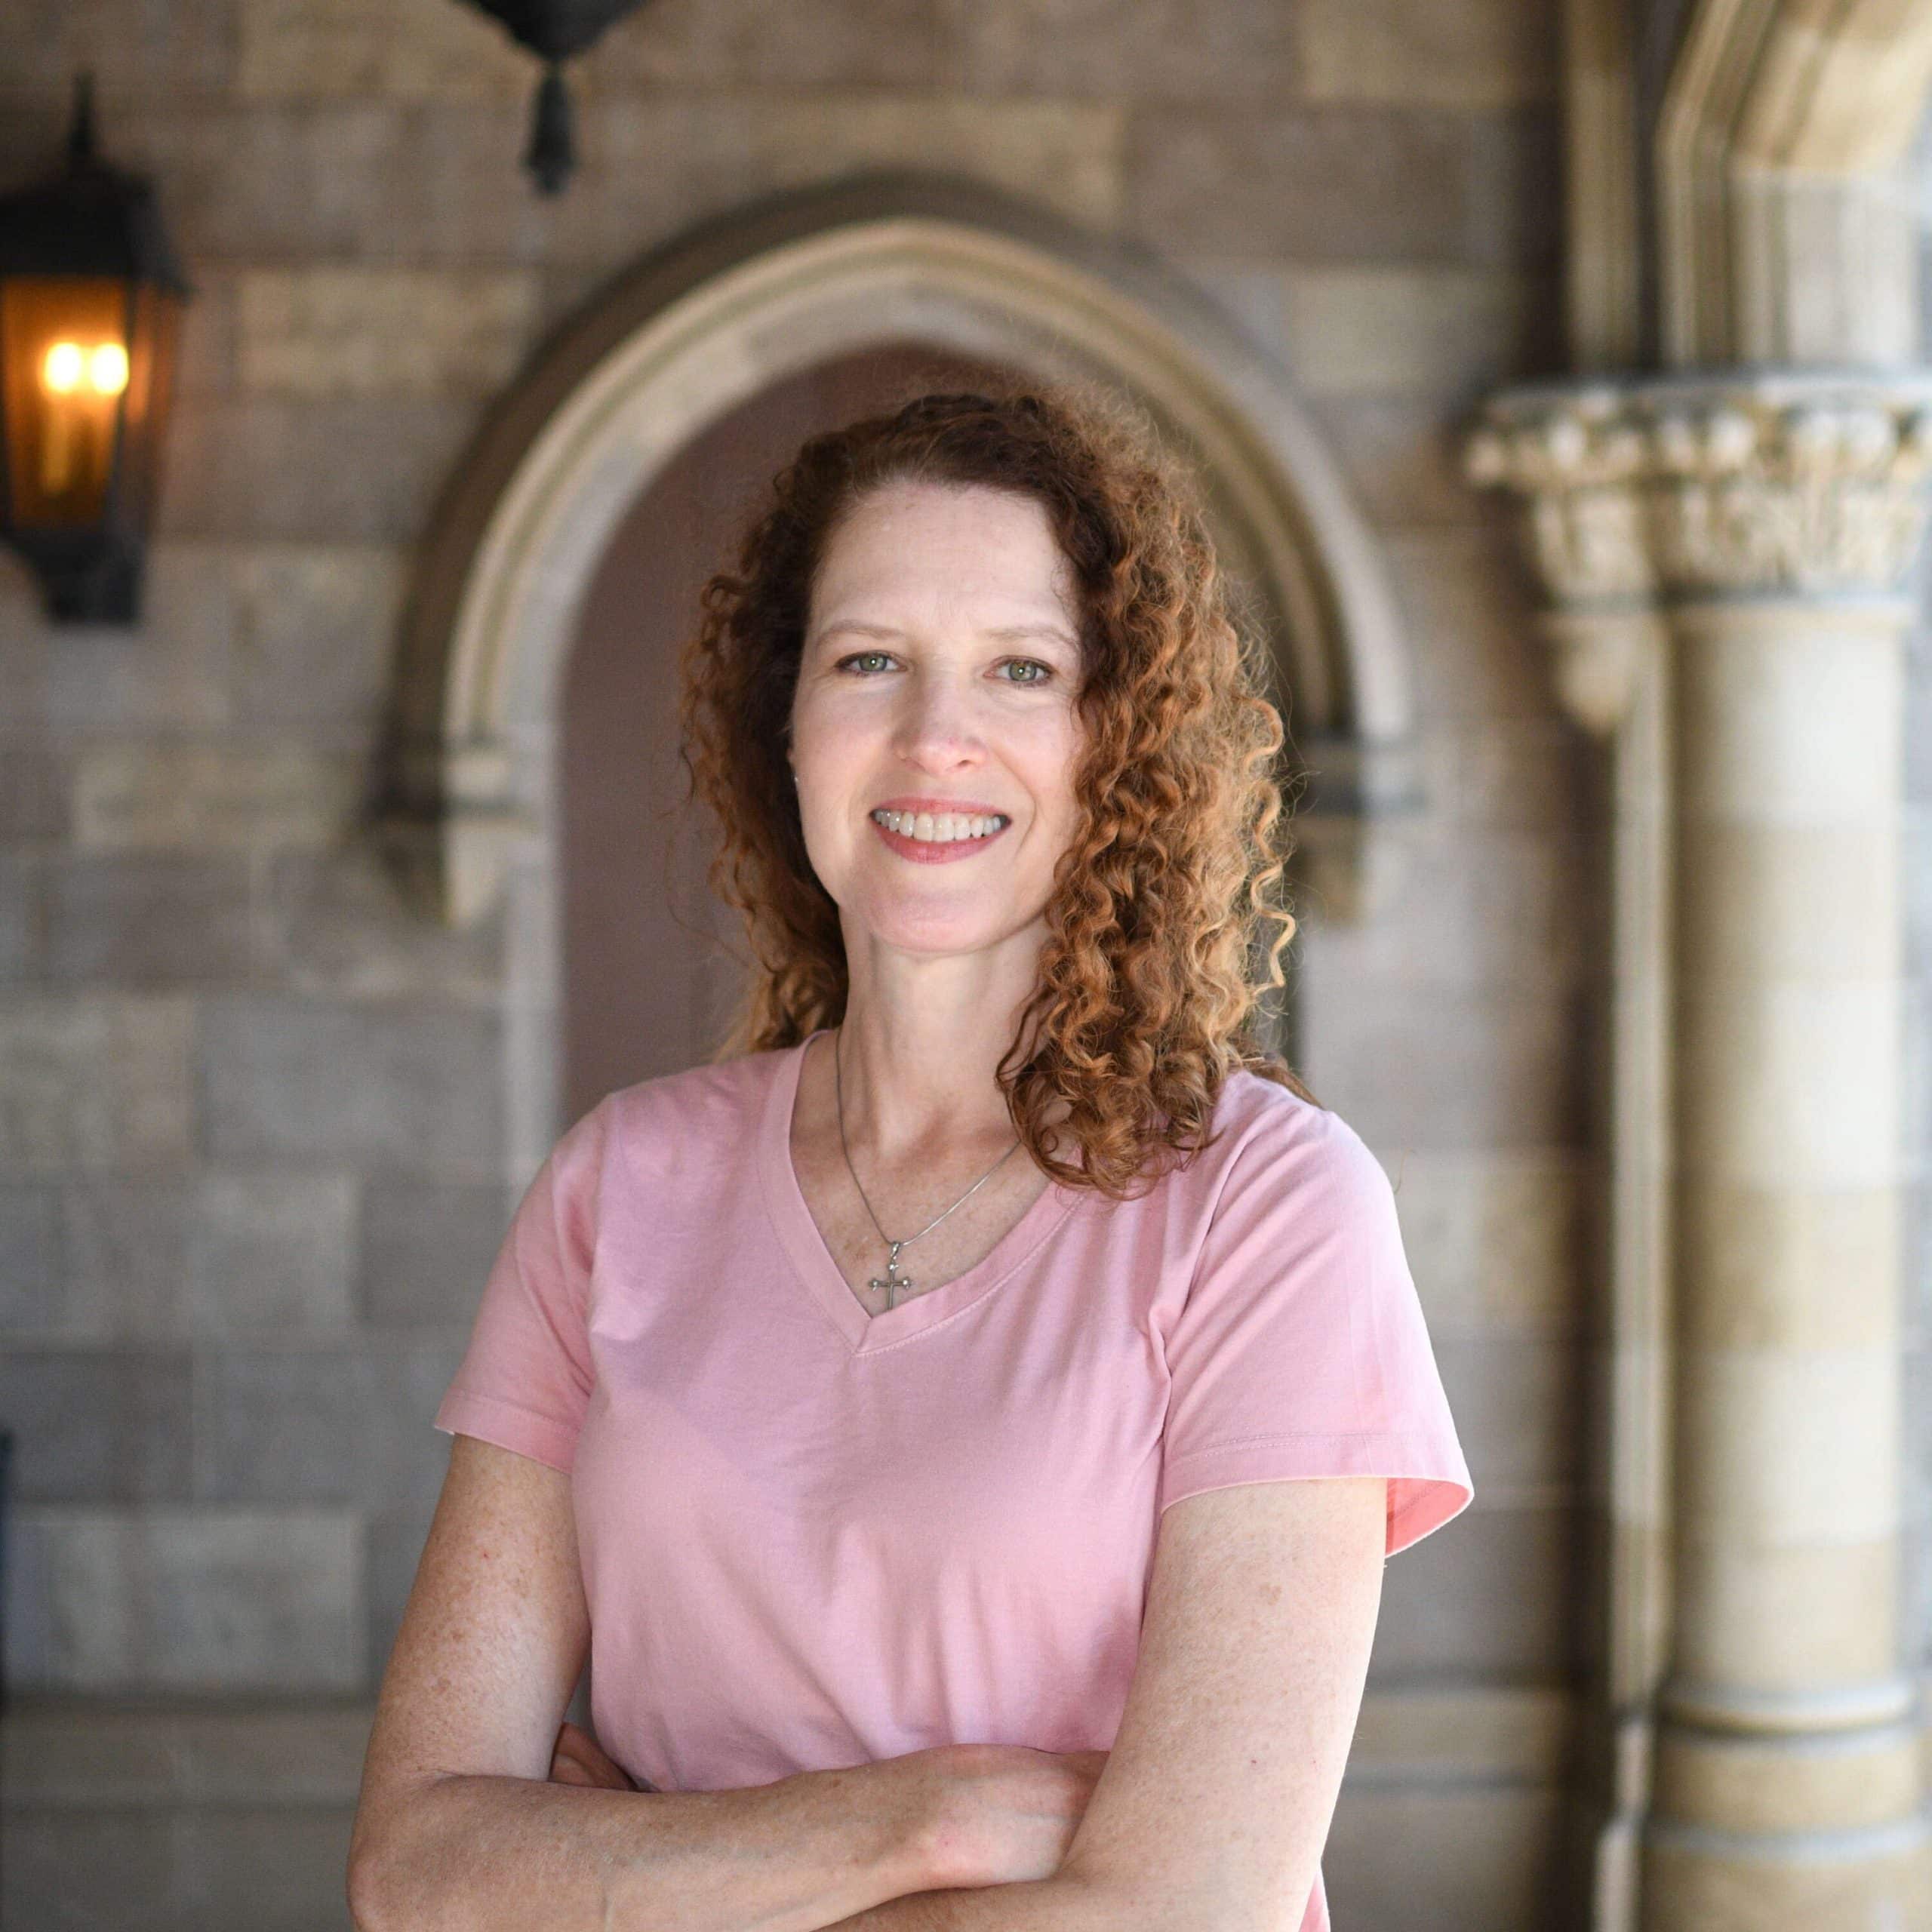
<point x="467" y="799"/>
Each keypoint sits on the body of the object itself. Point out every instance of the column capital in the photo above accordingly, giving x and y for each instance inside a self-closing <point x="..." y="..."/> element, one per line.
<point x="1736" y="484"/>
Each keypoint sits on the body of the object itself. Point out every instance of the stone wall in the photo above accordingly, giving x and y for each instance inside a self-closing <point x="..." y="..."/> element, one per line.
<point x="251" y="1164"/>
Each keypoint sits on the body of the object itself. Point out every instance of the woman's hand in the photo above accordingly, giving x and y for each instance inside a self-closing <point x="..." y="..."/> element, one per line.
<point x="1001" y="1814"/>
<point x="579" y="1759"/>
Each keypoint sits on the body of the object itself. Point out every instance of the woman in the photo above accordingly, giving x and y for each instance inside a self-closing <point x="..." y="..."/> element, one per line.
<point x="913" y="1401"/>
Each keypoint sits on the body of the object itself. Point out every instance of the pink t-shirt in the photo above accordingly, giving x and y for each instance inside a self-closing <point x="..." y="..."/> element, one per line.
<point x="813" y="1537"/>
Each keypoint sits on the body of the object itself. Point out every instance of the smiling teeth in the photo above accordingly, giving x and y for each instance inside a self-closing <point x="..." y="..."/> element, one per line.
<point x="940" y="828"/>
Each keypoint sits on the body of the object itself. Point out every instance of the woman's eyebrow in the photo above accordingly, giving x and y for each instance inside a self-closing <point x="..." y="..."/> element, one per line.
<point x="1042" y="629"/>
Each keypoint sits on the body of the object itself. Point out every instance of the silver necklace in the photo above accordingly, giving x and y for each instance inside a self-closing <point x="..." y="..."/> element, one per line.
<point x="894" y="1280"/>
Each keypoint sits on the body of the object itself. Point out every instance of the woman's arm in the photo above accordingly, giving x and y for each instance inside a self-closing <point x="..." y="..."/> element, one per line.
<point x="457" y="1826"/>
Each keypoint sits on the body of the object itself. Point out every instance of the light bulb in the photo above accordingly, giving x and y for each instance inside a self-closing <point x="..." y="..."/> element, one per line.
<point x="62" y="371"/>
<point x="107" y="367"/>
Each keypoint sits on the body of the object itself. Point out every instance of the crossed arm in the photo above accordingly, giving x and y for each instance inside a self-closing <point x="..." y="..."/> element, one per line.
<point x="1218" y="1795"/>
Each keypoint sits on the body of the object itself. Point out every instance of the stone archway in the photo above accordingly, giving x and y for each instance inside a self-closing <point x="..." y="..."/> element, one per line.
<point x="467" y="809"/>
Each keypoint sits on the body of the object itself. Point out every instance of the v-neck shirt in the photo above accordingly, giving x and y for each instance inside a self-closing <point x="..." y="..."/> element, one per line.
<point x="813" y="1536"/>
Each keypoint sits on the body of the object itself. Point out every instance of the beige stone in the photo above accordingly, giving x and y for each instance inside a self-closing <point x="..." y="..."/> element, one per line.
<point x="163" y="796"/>
<point x="1439" y="53"/>
<point x="315" y="633"/>
<point x="1762" y="1257"/>
<point x="203" y="1599"/>
<point x="652" y="165"/>
<point x="1866" y="1776"/>
<point x="1782" y="1449"/>
<point x="1754" y="687"/>
<point x="95" y="1081"/>
<point x="271" y="1253"/>
<point x="341" y="329"/>
<point x="1492" y="1238"/>
<point x="1380" y="331"/>
<point x="1849" y="1884"/>
<point x="1463" y="590"/>
<point x="1810" y="902"/>
<point x="1787" y="1621"/>
<point x="1473" y="1858"/>
<point x="411" y="48"/>
<point x="1791" y="1082"/>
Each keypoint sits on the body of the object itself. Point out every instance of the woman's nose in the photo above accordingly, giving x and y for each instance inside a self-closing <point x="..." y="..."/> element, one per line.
<point x="936" y="721"/>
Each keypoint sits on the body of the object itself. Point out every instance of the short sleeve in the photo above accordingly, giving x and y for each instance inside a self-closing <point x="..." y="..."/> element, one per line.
<point x="1302" y="1348"/>
<point x="524" y="1381"/>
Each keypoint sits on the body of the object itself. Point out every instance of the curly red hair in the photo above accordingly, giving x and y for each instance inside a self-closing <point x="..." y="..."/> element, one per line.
<point x="1146" y="1001"/>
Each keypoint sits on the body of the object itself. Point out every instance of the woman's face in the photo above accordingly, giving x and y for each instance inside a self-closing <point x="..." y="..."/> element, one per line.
<point x="940" y="666"/>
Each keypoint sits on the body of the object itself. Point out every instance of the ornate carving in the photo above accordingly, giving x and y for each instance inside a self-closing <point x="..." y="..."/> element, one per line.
<point x="1797" y="485"/>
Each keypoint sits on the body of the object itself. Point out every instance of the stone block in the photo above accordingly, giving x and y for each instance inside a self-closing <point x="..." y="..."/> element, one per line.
<point x="1443" y="1615"/>
<point x="315" y="632"/>
<point x="426" y="1252"/>
<point x="77" y="1871"/>
<point x="1464" y="1855"/>
<point x="93" y="1426"/>
<point x="1478" y="907"/>
<point x="336" y="922"/>
<point x="1519" y="1405"/>
<point x="202" y="1600"/>
<point x="1249" y="292"/>
<point x="30" y="1259"/>
<point x="271" y="1253"/>
<point x="411" y="1089"/>
<point x="94" y="1080"/>
<point x="278" y="1871"/>
<point x="652" y="166"/>
<point x="168" y="672"/>
<point x="192" y="1870"/>
<point x="1514" y="774"/>
<point x="409" y="48"/>
<point x="1453" y="332"/>
<point x="1446" y="1069"/>
<point x="149" y="919"/>
<point x="124" y="1248"/>
<point x="323" y="1425"/>
<point x="341" y="329"/>
<point x="354" y="468"/>
<point x="131" y="50"/>
<point x="165" y="795"/>
<point x="1208" y="51"/>
<point x="35" y="777"/>
<point x="64" y="1753"/>
<point x="205" y="364"/>
<point x="19" y="918"/>
<point x="693" y="44"/>
<point x="1355" y="184"/>
<point x="1495" y="1240"/>
<point x="1402" y="456"/>
<point x="1466" y="600"/>
<point x="1437" y="53"/>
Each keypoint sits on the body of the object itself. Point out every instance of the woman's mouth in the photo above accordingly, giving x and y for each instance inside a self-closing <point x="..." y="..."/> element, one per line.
<point x="938" y="837"/>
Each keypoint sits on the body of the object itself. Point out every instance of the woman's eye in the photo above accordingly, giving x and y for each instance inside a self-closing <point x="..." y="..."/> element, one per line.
<point x="1030" y="664"/>
<point x="859" y="656"/>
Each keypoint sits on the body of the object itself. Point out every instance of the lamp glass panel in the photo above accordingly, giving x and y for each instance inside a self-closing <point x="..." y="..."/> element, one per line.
<point x="65" y="365"/>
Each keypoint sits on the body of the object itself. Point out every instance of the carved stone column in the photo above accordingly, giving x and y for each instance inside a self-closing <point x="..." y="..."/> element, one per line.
<point x="1748" y="538"/>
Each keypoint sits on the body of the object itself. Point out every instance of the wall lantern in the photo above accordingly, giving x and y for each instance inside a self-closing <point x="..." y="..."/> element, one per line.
<point x="554" y="30"/>
<point x="91" y="298"/>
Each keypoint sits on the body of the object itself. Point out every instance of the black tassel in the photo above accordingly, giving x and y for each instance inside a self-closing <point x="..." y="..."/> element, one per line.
<point x="551" y="158"/>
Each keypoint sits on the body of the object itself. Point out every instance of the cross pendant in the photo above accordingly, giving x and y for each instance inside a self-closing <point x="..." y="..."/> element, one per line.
<point x="894" y="1280"/>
